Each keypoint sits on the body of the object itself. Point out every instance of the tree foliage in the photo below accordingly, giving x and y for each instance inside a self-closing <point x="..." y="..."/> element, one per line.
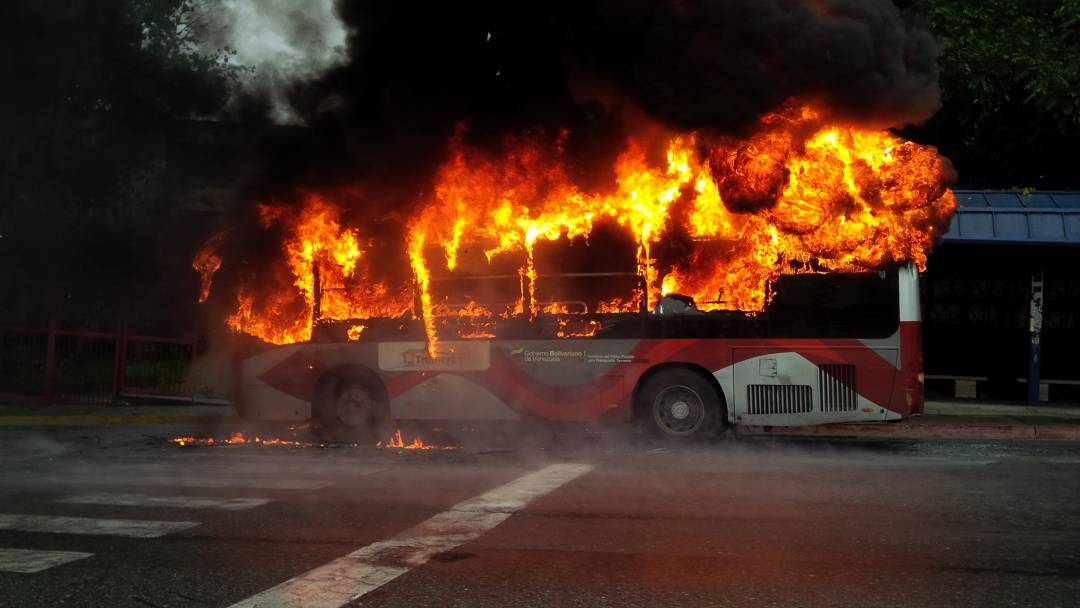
<point x="994" y="50"/>
<point x="93" y="88"/>
<point x="1010" y="78"/>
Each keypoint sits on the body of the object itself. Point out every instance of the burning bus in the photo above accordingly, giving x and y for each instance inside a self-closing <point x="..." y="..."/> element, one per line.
<point x="764" y="280"/>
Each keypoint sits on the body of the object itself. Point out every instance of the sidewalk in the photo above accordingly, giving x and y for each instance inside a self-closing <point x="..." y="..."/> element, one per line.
<point x="956" y="420"/>
<point x="98" y="415"/>
<point x="979" y="409"/>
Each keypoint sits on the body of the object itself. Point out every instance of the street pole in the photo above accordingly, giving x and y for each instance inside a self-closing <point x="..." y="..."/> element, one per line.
<point x="1035" y="331"/>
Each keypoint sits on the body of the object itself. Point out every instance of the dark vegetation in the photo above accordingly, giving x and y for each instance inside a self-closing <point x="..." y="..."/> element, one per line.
<point x="1010" y="83"/>
<point x="91" y="90"/>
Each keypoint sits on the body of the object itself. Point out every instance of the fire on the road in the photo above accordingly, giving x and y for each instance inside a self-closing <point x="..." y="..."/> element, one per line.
<point x="395" y="441"/>
<point x="236" y="439"/>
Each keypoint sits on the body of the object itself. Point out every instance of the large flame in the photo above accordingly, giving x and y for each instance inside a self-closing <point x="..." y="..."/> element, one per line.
<point x="798" y="195"/>
<point x="322" y="257"/>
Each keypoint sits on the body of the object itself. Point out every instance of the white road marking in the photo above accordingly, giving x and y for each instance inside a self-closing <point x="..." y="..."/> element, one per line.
<point x="179" y="502"/>
<point x="188" y="482"/>
<point x="347" y="578"/>
<point x="28" y="561"/>
<point x="58" y="524"/>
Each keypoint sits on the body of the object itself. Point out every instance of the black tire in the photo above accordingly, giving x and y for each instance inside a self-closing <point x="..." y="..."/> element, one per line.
<point x="680" y="404"/>
<point x="351" y="406"/>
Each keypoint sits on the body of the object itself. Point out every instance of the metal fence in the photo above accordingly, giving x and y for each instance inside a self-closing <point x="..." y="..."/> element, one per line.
<point x="54" y="365"/>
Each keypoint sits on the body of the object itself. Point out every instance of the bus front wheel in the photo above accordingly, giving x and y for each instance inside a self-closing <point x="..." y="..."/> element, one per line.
<point x="350" y="406"/>
<point x="680" y="403"/>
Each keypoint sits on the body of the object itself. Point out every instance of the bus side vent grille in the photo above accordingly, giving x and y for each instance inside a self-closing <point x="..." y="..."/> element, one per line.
<point x="779" y="398"/>
<point x="837" y="383"/>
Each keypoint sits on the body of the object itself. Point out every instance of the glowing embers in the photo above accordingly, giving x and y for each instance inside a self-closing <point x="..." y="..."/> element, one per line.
<point x="238" y="439"/>
<point x="396" y="441"/>
<point x="354" y="331"/>
<point x="571" y="327"/>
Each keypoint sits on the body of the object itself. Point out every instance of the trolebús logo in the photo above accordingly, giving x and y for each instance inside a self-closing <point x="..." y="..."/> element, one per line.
<point x="472" y="355"/>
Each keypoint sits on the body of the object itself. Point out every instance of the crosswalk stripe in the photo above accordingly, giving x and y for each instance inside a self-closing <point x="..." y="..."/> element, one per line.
<point x="179" y="502"/>
<point x="343" y="580"/>
<point x="58" y="524"/>
<point x="28" y="561"/>
<point x="184" y="482"/>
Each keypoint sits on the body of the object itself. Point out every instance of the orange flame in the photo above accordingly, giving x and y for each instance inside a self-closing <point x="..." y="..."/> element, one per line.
<point x="235" y="439"/>
<point x="574" y="328"/>
<point x="315" y="237"/>
<point x="207" y="261"/>
<point x="354" y="331"/>
<point x="798" y="195"/>
<point x="397" y="442"/>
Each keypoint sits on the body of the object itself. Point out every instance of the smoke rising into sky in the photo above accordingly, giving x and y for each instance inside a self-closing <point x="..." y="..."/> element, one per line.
<point x="718" y="65"/>
<point x="385" y="85"/>
<point x="286" y="43"/>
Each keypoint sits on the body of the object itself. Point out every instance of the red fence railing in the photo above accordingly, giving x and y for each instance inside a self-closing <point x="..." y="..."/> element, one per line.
<point x="54" y="365"/>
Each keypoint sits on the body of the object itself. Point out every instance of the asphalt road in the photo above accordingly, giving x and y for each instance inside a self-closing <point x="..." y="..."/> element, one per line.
<point x="121" y="518"/>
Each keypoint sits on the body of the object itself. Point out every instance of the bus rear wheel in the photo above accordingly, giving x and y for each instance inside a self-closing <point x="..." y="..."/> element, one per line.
<point x="680" y="404"/>
<point x="350" y="406"/>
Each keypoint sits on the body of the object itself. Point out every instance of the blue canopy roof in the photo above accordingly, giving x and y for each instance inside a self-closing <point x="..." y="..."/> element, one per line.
<point x="1035" y="218"/>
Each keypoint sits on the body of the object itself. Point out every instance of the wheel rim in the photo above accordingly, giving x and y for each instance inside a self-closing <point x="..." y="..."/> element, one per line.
<point x="679" y="410"/>
<point x="353" y="406"/>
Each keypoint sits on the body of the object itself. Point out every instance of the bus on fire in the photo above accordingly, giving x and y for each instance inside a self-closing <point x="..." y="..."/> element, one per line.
<point x="829" y="347"/>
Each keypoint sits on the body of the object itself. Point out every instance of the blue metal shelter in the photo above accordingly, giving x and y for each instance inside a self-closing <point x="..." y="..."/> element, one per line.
<point x="1035" y="218"/>
<point x="1042" y="218"/>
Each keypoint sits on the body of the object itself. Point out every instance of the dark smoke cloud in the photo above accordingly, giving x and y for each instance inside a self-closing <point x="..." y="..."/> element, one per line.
<point x="719" y="65"/>
<point x="414" y="70"/>
<point x="380" y="115"/>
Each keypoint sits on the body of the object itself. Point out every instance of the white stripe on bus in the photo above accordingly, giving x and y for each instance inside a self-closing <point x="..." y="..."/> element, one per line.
<point x="343" y="580"/>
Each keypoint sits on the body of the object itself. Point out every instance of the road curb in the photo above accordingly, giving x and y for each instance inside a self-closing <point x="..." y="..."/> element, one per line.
<point x="926" y="431"/>
<point x="107" y="420"/>
<point x="977" y="410"/>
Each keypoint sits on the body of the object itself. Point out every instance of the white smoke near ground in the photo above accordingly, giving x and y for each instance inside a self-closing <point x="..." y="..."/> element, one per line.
<point x="280" y="43"/>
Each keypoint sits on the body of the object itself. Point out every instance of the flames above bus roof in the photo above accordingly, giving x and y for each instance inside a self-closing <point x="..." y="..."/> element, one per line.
<point x="716" y="217"/>
<point x="706" y="146"/>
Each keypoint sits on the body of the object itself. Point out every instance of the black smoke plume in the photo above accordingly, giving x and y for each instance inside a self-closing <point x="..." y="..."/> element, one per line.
<point x="416" y="70"/>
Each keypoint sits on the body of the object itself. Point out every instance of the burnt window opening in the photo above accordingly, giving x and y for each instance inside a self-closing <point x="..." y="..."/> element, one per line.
<point x="837" y="305"/>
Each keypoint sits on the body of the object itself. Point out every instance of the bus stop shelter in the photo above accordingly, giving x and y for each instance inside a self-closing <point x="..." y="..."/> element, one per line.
<point x="1001" y="298"/>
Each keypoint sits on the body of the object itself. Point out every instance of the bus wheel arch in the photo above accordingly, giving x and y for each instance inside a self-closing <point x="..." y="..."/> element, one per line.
<point x="351" y="402"/>
<point x="663" y="401"/>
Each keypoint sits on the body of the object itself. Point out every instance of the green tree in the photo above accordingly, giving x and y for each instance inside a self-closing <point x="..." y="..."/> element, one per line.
<point x="91" y="91"/>
<point x="1010" y="78"/>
